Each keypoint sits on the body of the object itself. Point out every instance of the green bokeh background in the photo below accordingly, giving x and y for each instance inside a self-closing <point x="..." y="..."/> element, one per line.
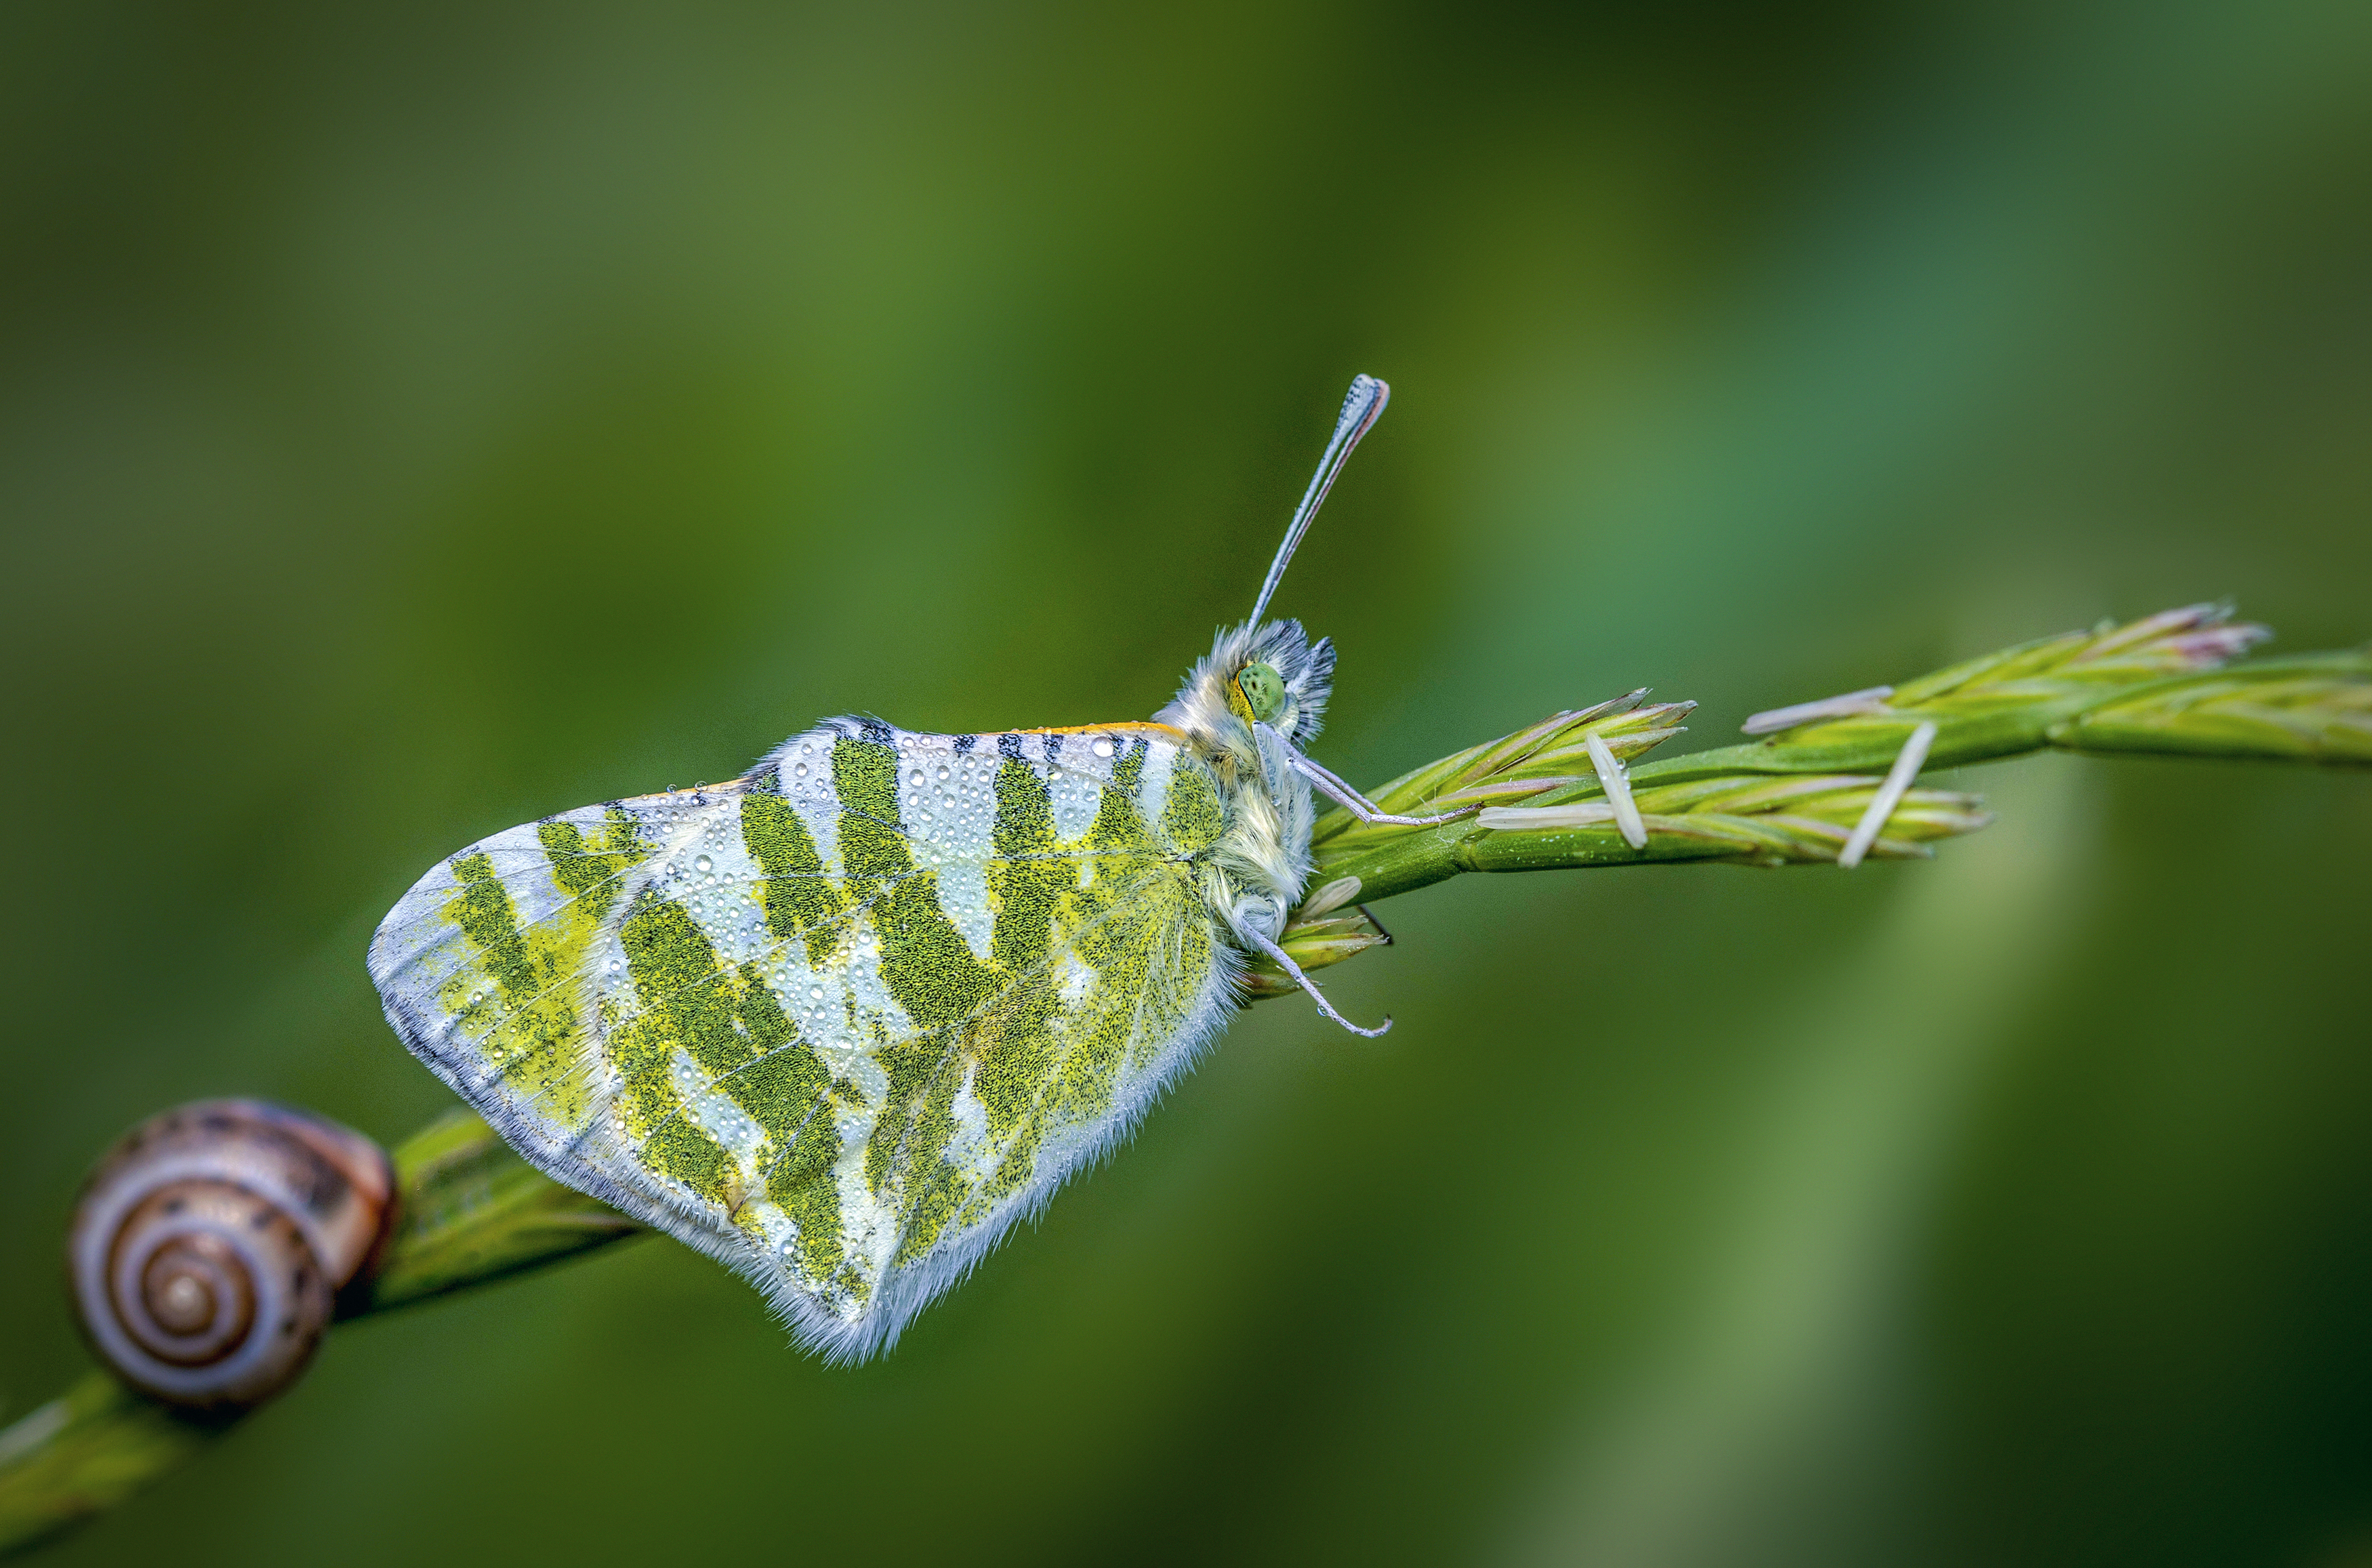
<point x="412" y="422"/>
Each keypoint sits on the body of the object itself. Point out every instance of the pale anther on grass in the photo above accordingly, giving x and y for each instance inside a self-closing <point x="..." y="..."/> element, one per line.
<point x="1870" y="700"/>
<point x="1522" y="818"/>
<point x="1907" y="764"/>
<point x="33" y="1429"/>
<point x="1618" y="791"/>
<point x="1285" y="960"/>
<point x="1472" y="794"/>
<point x="1332" y="897"/>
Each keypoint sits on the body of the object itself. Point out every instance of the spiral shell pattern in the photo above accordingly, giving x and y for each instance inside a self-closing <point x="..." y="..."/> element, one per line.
<point x="209" y="1245"/>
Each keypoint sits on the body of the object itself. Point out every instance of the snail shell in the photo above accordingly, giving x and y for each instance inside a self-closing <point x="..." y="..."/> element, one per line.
<point x="209" y="1245"/>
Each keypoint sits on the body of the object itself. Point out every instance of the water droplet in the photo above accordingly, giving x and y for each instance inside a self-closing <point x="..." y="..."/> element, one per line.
<point x="814" y="992"/>
<point x="1102" y="748"/>
<point x="800" y="770"/>
<point x="704" y="863"/>
<point x="914" y="777"/>
<point x="942" y="774"/>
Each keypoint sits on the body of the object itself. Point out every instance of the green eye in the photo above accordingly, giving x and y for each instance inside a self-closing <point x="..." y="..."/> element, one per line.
<point x="1263" y="691"/>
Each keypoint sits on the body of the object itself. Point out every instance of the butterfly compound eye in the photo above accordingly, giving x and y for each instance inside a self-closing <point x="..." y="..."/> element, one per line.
<point x="1263" y="691"/>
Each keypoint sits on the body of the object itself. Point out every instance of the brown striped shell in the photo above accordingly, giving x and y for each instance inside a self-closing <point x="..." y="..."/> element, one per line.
<point x="209" y="1245"/>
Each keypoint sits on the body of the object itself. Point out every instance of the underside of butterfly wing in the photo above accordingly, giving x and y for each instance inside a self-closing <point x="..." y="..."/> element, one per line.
<point x="841" y="1023"/>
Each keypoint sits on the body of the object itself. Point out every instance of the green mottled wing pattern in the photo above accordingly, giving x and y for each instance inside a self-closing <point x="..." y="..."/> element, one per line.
<point x="839" y="1023"/>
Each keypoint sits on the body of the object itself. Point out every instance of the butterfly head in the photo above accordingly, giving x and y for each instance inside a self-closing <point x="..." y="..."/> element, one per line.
<point x="1270" y="673"/>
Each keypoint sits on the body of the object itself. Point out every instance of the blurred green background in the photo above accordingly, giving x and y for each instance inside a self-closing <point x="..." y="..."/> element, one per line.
<point x="415" y="421"/>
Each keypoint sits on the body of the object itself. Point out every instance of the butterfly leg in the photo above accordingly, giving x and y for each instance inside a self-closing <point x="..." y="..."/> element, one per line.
<point x="1360" y="805"/>
<point x="1301" y="979"/>
<point x="1331" y="786"/>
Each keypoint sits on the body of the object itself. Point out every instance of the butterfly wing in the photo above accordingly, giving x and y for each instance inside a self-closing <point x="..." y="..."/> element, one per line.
<point x="842" y="1022"/>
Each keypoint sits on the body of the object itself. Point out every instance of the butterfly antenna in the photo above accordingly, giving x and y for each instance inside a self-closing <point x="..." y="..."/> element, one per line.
<point x="1360" y="408"/>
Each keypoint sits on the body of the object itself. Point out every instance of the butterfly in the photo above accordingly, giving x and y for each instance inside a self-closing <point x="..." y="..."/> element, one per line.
<point x="840" y="1022"/>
